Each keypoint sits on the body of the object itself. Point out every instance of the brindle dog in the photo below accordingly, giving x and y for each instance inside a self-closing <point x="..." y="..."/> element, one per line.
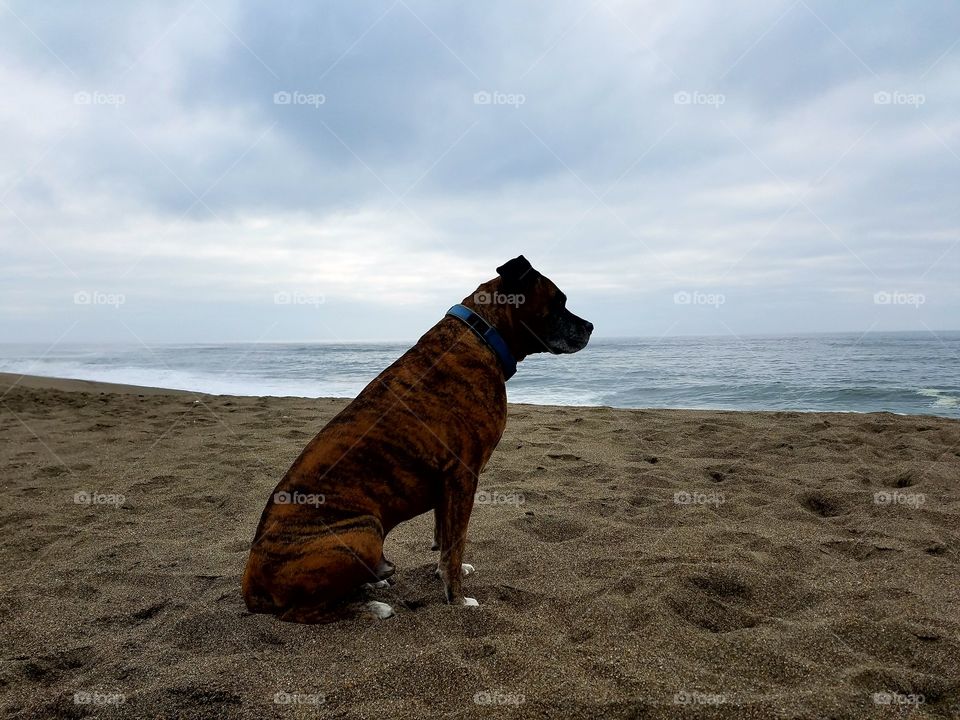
<point x="414" y="440"/>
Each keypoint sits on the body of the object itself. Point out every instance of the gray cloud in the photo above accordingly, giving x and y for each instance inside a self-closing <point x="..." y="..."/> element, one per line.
<point x="796" y="158"/>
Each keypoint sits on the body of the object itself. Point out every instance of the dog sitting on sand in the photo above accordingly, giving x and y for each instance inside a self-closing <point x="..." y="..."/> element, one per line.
<point x="414" y="440"/>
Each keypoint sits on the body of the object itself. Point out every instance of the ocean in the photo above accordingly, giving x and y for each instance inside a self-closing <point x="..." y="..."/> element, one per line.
<point x="914" y="373"/>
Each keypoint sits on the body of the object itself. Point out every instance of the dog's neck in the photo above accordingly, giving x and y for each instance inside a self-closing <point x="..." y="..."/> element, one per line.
<point x="504" y="320"/>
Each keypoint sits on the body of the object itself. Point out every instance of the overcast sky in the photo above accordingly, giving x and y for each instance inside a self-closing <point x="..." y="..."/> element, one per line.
<point x="226" y="171"/>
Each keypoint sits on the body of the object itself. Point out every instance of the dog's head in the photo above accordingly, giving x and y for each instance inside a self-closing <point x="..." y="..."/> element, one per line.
<point x="530" y="311"/>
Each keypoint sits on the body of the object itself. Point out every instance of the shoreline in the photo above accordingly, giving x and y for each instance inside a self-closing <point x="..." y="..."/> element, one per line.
<point x="43" y="382"/>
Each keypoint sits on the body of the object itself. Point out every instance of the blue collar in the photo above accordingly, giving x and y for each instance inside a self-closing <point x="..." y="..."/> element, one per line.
<point x="488" y="333"/>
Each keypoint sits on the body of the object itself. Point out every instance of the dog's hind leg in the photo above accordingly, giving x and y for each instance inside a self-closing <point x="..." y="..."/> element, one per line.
<point x="385" y="568"/>
<point x="308" y="575"/>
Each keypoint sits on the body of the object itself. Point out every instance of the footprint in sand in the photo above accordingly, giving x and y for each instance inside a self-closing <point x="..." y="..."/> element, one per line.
<point x="713" y="601"/>
<point x="549" y="528"/>
<point x="823" y="505"/>
<point x="564" y="456"/>
<point x="48" y="667"/>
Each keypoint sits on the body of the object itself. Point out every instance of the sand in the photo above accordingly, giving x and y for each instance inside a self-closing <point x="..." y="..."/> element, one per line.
<point x="630" y="563"/>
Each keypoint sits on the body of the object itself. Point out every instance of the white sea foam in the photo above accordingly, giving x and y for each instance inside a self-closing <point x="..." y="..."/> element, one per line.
<point x="941" y="398"/>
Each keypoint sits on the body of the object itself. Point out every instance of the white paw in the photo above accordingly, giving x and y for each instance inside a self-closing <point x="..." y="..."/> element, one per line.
<point x="379" y="610"/>
<point x="379" y="585"/>
<point x="470" y="602"/>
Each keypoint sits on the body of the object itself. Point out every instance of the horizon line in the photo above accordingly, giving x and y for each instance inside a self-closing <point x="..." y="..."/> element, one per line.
<point x="398" y="341"/>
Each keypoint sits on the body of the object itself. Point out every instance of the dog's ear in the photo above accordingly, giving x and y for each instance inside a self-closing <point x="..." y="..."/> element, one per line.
<point x="517" y="273"/>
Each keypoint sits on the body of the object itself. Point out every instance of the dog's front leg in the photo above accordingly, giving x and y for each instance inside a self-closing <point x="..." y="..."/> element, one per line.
<point x="453" y="515"/>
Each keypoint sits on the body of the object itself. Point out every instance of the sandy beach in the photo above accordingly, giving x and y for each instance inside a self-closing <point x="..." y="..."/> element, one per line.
<point x="630" y="563"/>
